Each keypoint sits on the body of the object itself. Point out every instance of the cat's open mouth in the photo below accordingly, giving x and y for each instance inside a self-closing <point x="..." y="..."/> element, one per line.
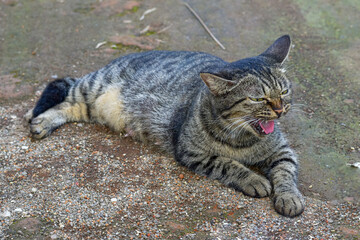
<point x="263" y="127"/>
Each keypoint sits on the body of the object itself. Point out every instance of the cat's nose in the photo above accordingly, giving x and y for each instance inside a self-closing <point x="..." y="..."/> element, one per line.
<point x="277" y="106"/>
<point x="278" y="111"/>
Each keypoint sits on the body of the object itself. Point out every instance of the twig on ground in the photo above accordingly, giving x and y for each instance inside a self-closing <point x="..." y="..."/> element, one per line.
<point x="204" y="25"/>
<point x="145" y="29"/>
<point x="164" y="29"/>
<point x="146" y="13"/>
<point x="100" y="44"/>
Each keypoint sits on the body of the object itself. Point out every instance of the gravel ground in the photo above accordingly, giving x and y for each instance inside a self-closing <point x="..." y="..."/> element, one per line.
<point x="85" y="182"/>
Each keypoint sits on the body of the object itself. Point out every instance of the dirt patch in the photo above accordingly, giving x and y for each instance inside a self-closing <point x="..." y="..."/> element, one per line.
<point x="29" y="228"/>
<point x="12" y="87"/>
<point x="10" y="2"/>
<point x="112" y="7"/>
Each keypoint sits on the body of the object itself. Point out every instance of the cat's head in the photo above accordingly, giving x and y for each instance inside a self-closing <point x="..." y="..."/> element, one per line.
<point x="251" y="93"/>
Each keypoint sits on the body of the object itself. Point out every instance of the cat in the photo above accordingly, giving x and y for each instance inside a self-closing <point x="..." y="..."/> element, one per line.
<point x="216" y="118"/>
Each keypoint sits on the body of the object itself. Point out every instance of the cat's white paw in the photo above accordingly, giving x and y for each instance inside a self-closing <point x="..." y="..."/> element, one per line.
<point x="289" y="204"/>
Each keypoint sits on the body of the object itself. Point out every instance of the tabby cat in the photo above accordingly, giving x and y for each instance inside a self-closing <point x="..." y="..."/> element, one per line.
<point x="216" y="118"/>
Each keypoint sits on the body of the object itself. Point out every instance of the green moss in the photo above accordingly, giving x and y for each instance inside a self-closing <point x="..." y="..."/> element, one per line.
<point x="148" y="33"/>
<point x="134" y="9"/>
<point x="124" y="48"/>
<point x="15" y="73"/>
<point x="83" y="10"/>
<point x="121" y="14"/>
<point x="331" y="19"/>
<point x="323" y="82"/>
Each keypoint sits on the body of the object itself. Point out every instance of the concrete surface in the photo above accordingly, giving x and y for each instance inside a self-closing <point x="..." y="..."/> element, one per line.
<point x="86" y="182"/>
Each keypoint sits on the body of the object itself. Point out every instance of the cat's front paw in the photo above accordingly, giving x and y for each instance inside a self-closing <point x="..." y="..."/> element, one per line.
<point x="28" y="116"/>
<point x="289" y="204"/>
<point x="40" y="128"/>
<point x="255" y="186"/>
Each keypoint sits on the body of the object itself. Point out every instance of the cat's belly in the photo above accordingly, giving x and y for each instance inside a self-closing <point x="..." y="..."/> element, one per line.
<point x="108" y="109"/>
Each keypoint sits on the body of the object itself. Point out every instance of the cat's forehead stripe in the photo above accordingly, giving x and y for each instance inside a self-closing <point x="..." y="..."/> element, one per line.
<point x="271" y="78"/>
<point x="266" y="77"/>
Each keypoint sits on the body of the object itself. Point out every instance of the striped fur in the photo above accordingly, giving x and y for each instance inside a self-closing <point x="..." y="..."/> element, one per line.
<point x="203" y="110"/>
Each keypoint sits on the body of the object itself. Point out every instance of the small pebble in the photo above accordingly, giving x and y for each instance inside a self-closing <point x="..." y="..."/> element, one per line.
<point x="54" y="236"/>
<point x="5" y="214"/>
<point x="18" y="210"/>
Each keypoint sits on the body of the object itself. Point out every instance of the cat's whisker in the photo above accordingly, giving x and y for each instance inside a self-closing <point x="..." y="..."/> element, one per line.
<point x="228" y="128"/>
<point x="298" y="106"/>
<point x="231" y="125"/>
<point x="242" y="127"/>
<point x="231" y="134"/>
<point x="224" y="130"/>
<point x="297" y="109"/>
<point x="251" y="122"/>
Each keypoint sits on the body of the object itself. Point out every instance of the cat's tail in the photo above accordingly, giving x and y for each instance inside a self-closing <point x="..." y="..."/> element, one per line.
<point x="54" y="94"/>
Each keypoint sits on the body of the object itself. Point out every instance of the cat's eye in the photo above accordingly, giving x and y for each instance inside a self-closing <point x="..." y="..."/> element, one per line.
<point x="284" y="92"/>
<point x="257" y="99"/>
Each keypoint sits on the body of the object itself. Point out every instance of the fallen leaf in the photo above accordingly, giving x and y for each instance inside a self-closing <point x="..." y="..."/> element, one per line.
<point x="355" y="165"/>
<point x="100" y="44"/>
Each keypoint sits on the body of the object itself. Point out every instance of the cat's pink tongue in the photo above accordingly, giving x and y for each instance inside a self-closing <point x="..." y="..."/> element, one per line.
<point x="267" y="126"/>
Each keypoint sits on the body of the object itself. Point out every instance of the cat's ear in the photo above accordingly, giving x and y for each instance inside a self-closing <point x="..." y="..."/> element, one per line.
<point x="217" y="85"/>
<point x="279" y="50"/>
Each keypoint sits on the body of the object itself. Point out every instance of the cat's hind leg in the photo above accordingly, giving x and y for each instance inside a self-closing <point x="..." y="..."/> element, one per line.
<point x="54" y="109"/>
<point x="54" y="93"/>
<point x="44" y="124"/>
